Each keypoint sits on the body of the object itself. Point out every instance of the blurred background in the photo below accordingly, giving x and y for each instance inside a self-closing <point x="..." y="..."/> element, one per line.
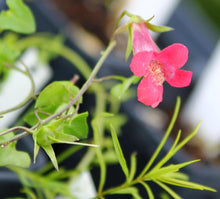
<point x="87" y="26"/>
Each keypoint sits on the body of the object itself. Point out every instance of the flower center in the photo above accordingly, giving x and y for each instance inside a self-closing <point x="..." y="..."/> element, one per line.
<point x="156" y="70"/>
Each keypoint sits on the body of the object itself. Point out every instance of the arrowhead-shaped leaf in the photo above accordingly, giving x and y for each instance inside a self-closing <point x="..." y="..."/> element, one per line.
<point x="50" y="152"/>
<point x="56" y="94"/>
<point x="52" y="99"/>
<point x="156" y="28"/>
<point x="77" y="126"/>
<point x="18" y="18"/>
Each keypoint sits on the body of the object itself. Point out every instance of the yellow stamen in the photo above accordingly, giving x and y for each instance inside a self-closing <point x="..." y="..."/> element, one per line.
<point x="156" y="69"/>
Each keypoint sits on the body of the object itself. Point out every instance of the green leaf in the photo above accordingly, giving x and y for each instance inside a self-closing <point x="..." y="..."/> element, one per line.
<point x="129" y="45"/>
<point x="163" y="141"/>
<point x="178" y="175"/>
<point x="116" y="91"/>
<point x="18" y="18"/>
<point x="30" y="193"/>
<point x="187" y="139"/>
<point x="50" y="152"/>
<point x="8" y="52"/>
<point x="133" y="167"/>
<point x="45" y="137"/>
<point x="97" y="131"/>
<point x="36" y="149"/>
<point x="65" y="130"/>
<point x="63" y="138"/>
<point x="77" y="126"/>
<point x="119" y="153"/>
<point x="52" y="99"/>
<point x="148" y="189"/>
<point x="120" y="90"/>
<point x="55" y="125"/>
<point x="121" y="29"/>
<point x="136" y="19"/>
<point x="150" y="19"/>
<point x="129" y="190"/>
<point x="56" y="94"/>
<point x="52" y="133"/>
<point x="99" y="154"/>
<point x="42" y="136"/>
<point x="110" y="157"/>
<point x="170" y="152"/>
<point x="186" y="184"/>
<point x="42" y="139"/>
<point x="31" y="119"/>
<point x="164" y="195"/>
<point x="10" y="156"/>
<point x="42" y="184"/>
<point x="176" y="147"/>
<point x="168" y="169"/>
<point x="167" y="189"/>
<point x="158" y="28"/>
<point x="117" y="120"/>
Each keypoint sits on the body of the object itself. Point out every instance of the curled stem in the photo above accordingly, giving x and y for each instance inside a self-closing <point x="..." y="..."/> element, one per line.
<point x="109" y="77"/>
<point x="75" y="99"/>
<point x="17" y="128"/>
<point x="17" y="137"/>
<point x="30" y="95"/>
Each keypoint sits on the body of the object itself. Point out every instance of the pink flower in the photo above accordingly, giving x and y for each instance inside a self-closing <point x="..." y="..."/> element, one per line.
<point x="156" y="66"/>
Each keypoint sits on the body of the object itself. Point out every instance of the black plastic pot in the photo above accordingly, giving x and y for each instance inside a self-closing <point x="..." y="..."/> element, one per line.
<point x="137" y="136"/>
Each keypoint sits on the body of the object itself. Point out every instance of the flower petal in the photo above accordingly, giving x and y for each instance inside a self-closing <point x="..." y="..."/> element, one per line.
<point x="142" y="40"/>
<point x="139" y="63"/>
<point x="149" y="93"/>
<point x="174" y="55"/>
<point x="181" y="78"/>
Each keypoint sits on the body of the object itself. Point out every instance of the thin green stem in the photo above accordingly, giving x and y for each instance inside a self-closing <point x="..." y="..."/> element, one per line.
<point x="163" y="141"/>
<point x="109" y="78"/>
<point x="111" y="190"/>
<point x="15" y="138"/>
<point x="120" y="187"/>
<point x="119" y="19"/>
<point x="28" y="97"/>
<point x="16" y="128"/>
<point x="97" y="127"/>
<point x="42" y="41"/>
<point x="80" y="93"/>
<point x="87" y="83"/>
<point x="60" y="158"/>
